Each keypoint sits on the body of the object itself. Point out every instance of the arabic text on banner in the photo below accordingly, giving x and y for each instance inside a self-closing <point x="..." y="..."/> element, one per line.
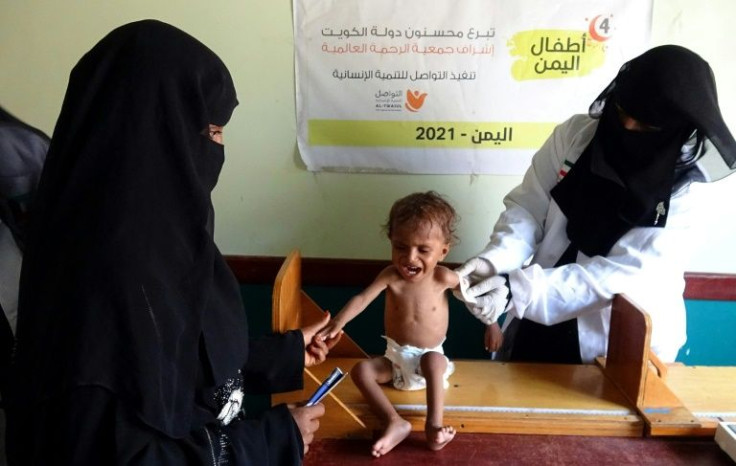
<point x="399" y="87"/>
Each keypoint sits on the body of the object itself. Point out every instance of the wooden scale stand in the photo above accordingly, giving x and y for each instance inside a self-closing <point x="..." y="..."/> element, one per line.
<point x="629" y="393"/>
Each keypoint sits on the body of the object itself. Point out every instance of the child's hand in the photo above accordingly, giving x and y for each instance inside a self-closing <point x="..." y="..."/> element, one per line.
<point x="329" y="331"/>
<point x="493" y="337"/>
<point x="316" y="349"/>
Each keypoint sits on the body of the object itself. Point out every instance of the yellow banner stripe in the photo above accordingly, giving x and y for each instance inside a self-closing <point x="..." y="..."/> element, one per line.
<point x="428" y="134"/>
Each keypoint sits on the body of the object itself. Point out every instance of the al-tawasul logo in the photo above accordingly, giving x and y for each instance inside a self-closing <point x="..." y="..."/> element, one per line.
<point x="414" y="100"/>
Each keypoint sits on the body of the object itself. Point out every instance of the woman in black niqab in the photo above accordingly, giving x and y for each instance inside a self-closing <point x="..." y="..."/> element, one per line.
<point x="659" y="128"/>
<point x="625" y="177"/>
<point x="132" y="335"/>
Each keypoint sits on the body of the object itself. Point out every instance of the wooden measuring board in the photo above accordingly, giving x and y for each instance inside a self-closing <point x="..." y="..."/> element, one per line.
<point x="640" y="375"/>
<point x="625" y="394"/>
<point x="709" y="392"/>
<point x="293" y="308"/>
<point x="491" y="397"/>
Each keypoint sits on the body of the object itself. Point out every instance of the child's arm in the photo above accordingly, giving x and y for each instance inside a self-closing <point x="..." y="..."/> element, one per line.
<point x="357" y="304"/>
<point x="493" y="337"/>
<point x="448" y="277"/>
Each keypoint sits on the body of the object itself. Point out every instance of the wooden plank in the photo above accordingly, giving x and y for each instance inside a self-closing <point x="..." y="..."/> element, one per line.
<point x="486" y="396"/>
<point x="292" y="308"/>
<point x="346" y="347"/>
<point x="338" y="421"/>
<point x="286" y="306"/>
<point x="663" y="411"/>
<point x="628" y="348"/>
<point x="709" y="392"/>
<point x="642" y="383"/>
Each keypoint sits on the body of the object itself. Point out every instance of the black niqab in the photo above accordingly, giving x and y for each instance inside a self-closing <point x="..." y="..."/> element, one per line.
<point x="122" y="285"/>
<point x="625" y="178"/>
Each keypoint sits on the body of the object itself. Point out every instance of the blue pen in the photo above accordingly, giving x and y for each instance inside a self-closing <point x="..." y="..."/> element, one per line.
<point x="322" y="389"/>
<point x="335" y="376"/>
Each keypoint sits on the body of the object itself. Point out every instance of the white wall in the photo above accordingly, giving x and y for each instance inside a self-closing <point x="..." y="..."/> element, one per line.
<point x="266" y="202"/>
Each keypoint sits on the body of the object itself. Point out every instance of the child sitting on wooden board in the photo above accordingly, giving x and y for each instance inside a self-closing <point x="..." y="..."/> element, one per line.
<point x="421" y="229"/>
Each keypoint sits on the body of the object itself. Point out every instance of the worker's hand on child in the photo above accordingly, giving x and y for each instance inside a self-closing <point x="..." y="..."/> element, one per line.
<point x="307" y="418"/>
<point x="483" y="292"/>
<point x="486" y="300"/>
<point x="476" y="269"/>
<point x="317" y="348"/>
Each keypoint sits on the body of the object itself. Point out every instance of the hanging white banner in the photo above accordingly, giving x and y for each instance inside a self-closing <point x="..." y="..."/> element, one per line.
<point x="451" y="86"/>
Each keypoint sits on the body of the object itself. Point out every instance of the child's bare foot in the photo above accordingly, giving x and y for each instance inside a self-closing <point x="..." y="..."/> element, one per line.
<point x="438" y="437"/>
<point x="396" y="431"/>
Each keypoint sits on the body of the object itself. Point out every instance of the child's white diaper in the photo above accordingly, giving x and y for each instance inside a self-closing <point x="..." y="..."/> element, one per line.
<point x="407" y="372"/>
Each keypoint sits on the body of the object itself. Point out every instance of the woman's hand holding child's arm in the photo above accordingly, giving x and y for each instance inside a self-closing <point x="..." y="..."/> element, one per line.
<point x="315" y="347"/>
<point x="329" y="331"/>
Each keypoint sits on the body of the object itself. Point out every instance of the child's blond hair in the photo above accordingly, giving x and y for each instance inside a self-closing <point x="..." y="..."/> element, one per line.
<point x="423" y="207"/>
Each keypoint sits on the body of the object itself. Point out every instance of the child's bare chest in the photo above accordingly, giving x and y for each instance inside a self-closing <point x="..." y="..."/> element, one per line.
<point x="417" y="302"/>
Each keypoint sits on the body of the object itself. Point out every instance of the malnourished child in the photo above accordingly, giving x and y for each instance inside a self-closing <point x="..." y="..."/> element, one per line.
<point x="421" y="229"/>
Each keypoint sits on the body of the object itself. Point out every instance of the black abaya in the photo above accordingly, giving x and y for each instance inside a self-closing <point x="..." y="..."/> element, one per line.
<point x="132" y="335"/>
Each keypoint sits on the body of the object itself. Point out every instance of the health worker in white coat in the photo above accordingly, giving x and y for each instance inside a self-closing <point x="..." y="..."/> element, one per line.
<point x="606" y="208"/>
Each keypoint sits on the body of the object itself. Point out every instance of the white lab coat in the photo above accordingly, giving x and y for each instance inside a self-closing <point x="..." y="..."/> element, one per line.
<point x="647" y="263"/>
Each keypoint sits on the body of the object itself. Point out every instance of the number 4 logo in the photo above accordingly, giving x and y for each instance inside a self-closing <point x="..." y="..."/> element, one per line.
<point x="600" y="28"/>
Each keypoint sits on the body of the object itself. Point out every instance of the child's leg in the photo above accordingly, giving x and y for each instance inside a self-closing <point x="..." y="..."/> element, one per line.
<point x="433" y="366"/>
<point x="367" y="376"/>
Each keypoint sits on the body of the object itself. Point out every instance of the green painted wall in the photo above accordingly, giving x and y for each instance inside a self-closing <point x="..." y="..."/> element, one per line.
<point x="710" y="325"/>
<point x="710" y="334"/>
